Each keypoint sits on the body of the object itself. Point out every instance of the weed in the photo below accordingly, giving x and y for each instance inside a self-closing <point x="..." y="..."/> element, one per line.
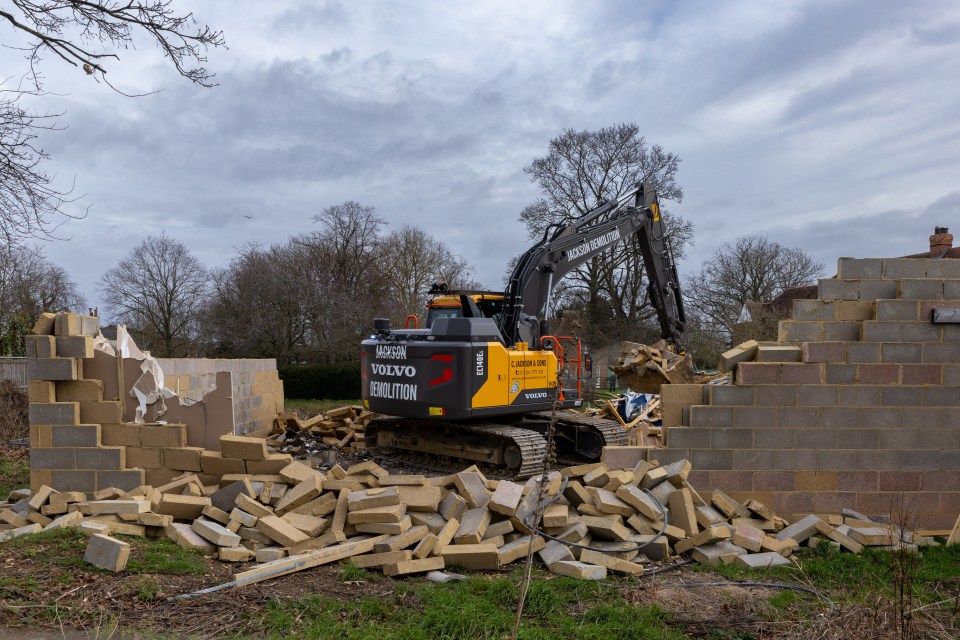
<point x="783" y="599"/>
<point x="352" y="573"/>
<point x="147" y="589"/>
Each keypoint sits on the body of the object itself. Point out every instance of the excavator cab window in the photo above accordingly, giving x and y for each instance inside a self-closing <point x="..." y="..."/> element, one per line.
<point x="442" y="312"/>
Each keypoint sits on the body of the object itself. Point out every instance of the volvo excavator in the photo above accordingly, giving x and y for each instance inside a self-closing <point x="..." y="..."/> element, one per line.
<point x="480" y="385"/>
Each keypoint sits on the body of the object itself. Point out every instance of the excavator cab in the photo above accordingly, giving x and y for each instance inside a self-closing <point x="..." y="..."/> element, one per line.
<point x="450" y="303"/>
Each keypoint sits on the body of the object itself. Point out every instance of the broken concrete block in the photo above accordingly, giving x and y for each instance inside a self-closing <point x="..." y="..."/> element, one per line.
<point x="215" y="533"/>
<point x="478" y="557"/>
<point x="280" y="531"/>
<point x="187" y="538"/>
<point x="472" y="527"/>
<point x="757" y="560"/>
<point x="576" y="569"/>
<point x="182" y="507"/>
<point x="107" y="553"/>
<point x="373" y="498"/>
<point x="639" y="500"/>
<point x="724" y="552"/>
<point x="243" y="448"/>
<point x="420" y="497"/>
<point x="472" y="489"/>
<point x="555" y="551"/>
<point x="682" y="513"/>
<point x="800" y="530"/>
<point x="744" y="352"/>
<point x="519" y="548"/>
<point x="310" y="525"/>
<point x="302" y="493"/>
<point x="9" y="534"/>
<point x="389" y="528"/>
<point x="414" y="566"/>
<point x="235" y="554"/>
<point x="506" y="498"/>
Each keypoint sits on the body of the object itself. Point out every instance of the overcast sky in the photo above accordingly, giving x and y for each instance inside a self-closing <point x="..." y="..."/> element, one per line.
<point x="831" y="126"/>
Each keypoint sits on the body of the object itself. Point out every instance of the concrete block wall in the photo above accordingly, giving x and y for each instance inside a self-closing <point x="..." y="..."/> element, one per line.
<point x="857" y="404"/>
<point x="68" y="412"/>
<point x="80" y="439"/>
<point x="256" y="388"/>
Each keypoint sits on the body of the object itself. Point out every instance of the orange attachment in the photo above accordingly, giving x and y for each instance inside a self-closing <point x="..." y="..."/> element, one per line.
<point x="416" y="322"/>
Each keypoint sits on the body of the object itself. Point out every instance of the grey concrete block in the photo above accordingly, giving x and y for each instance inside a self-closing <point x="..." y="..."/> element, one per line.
<point x="40" y="346"/>
<point x="798" y="417"/>
<point x="941" y="396"/>
<point x="872" y="331"/>
<point x="834" y="289"/>
<point x="801" y="530"/>
<point x="878" y="290"/>
<point x="55" y="413"/>
<point x="948" y="268"/>
<point x="885" y="417"/>
<point x="928" y="332"/>
<point x="74" y="346"/>
<point x="860" y="396"/>
<point x="54" y="369"/>
<point x="730" y="395"/>
<point x="799" y="331"/>
<point x="732" y="438"/>
<point x="925" y="289"/>
<point x="125" y="480"/>
<point x="897" y="268"/>
<point x="951" y="288"/>
<point x="863" y="352"/>
<point x="901" y="352"/>
<point x="814" y="310"/>
<point x="706" y="416"/>
<point x="817" y="396"/>
<point x="858" y="268"/>
<point x="64" y="480"/>
<point x="107" y="553"/>
<point x="760" y="560"/>
<point x="897" y="310"/>
<point x="841" y="331"/>
<point x="81" y="435"/>
<point x="900" y="396"/>
<point x="711" y="459"/>
<point x="944" y="352"/>
<point x="841" y="374"/>
<point x="104" y="458"/>
<point x="41" y="458"/>
<point x="688" y="437"/>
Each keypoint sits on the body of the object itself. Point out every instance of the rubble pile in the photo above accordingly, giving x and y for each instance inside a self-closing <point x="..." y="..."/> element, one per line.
<point x="595" y="519"/>
<point x="645" y="369"/>
<point x="338" y="430"/>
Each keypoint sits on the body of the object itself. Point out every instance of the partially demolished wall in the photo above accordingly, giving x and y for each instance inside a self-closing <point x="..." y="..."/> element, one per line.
<point x="85" y="434"/>
<point x="857" y="405"/>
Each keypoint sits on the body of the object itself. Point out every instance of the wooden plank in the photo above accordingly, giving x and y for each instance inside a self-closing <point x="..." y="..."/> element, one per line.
<point x="285" y="566"/>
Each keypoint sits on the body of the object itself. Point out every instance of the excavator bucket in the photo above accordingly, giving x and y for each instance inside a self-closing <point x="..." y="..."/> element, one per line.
<point x="644" y="369"/>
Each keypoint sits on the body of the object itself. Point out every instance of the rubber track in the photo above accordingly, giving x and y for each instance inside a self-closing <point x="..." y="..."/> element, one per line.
<point x="612" y="432"/>
<point x="533" y="448"/>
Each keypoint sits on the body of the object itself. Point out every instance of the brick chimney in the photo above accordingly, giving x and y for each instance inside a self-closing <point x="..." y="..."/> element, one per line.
<point x="940" y="242"/>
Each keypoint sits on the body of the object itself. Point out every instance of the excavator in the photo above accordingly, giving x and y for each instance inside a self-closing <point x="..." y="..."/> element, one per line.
<point x="482" y="382"/>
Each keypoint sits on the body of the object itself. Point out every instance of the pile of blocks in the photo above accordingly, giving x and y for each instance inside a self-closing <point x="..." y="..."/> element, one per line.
<point x="295" y="517"/>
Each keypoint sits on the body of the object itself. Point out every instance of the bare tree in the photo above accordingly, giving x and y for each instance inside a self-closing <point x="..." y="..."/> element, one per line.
<point x="158" y="289"/>
<point x="29" y="285"/>
<point x="751" y="269"/>
<point x="87" y="35"/>
<point x="414" y="260"/>
<point x="581" y="170"/>
<point x="261" y="304"/>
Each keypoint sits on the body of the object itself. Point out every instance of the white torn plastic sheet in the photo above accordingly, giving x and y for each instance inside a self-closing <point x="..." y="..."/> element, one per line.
<point x="149" y="388"/>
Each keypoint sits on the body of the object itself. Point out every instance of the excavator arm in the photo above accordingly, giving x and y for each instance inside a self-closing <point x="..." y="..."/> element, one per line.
<point x="563" y="248"/>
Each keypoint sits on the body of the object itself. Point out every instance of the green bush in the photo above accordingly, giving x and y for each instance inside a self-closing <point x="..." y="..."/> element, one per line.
<point x="331" y="381"/>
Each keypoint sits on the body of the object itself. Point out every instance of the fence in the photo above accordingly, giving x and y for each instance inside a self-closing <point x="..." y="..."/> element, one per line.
<point x="14" y="369"/>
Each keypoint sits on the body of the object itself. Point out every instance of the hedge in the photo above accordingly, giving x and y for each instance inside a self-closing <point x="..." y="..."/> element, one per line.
<point x="321" y="381"/>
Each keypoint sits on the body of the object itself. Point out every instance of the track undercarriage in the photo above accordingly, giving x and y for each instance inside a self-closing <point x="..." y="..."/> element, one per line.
<point x="501" y="450"/>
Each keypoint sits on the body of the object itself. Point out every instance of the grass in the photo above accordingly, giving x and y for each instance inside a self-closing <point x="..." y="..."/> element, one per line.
<point x="310" y="408"/>
<point x="65" y="548"/>
<point x="473" y="608"/>
<point x="855" y="577"/>
<point x="352" y="573"/>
